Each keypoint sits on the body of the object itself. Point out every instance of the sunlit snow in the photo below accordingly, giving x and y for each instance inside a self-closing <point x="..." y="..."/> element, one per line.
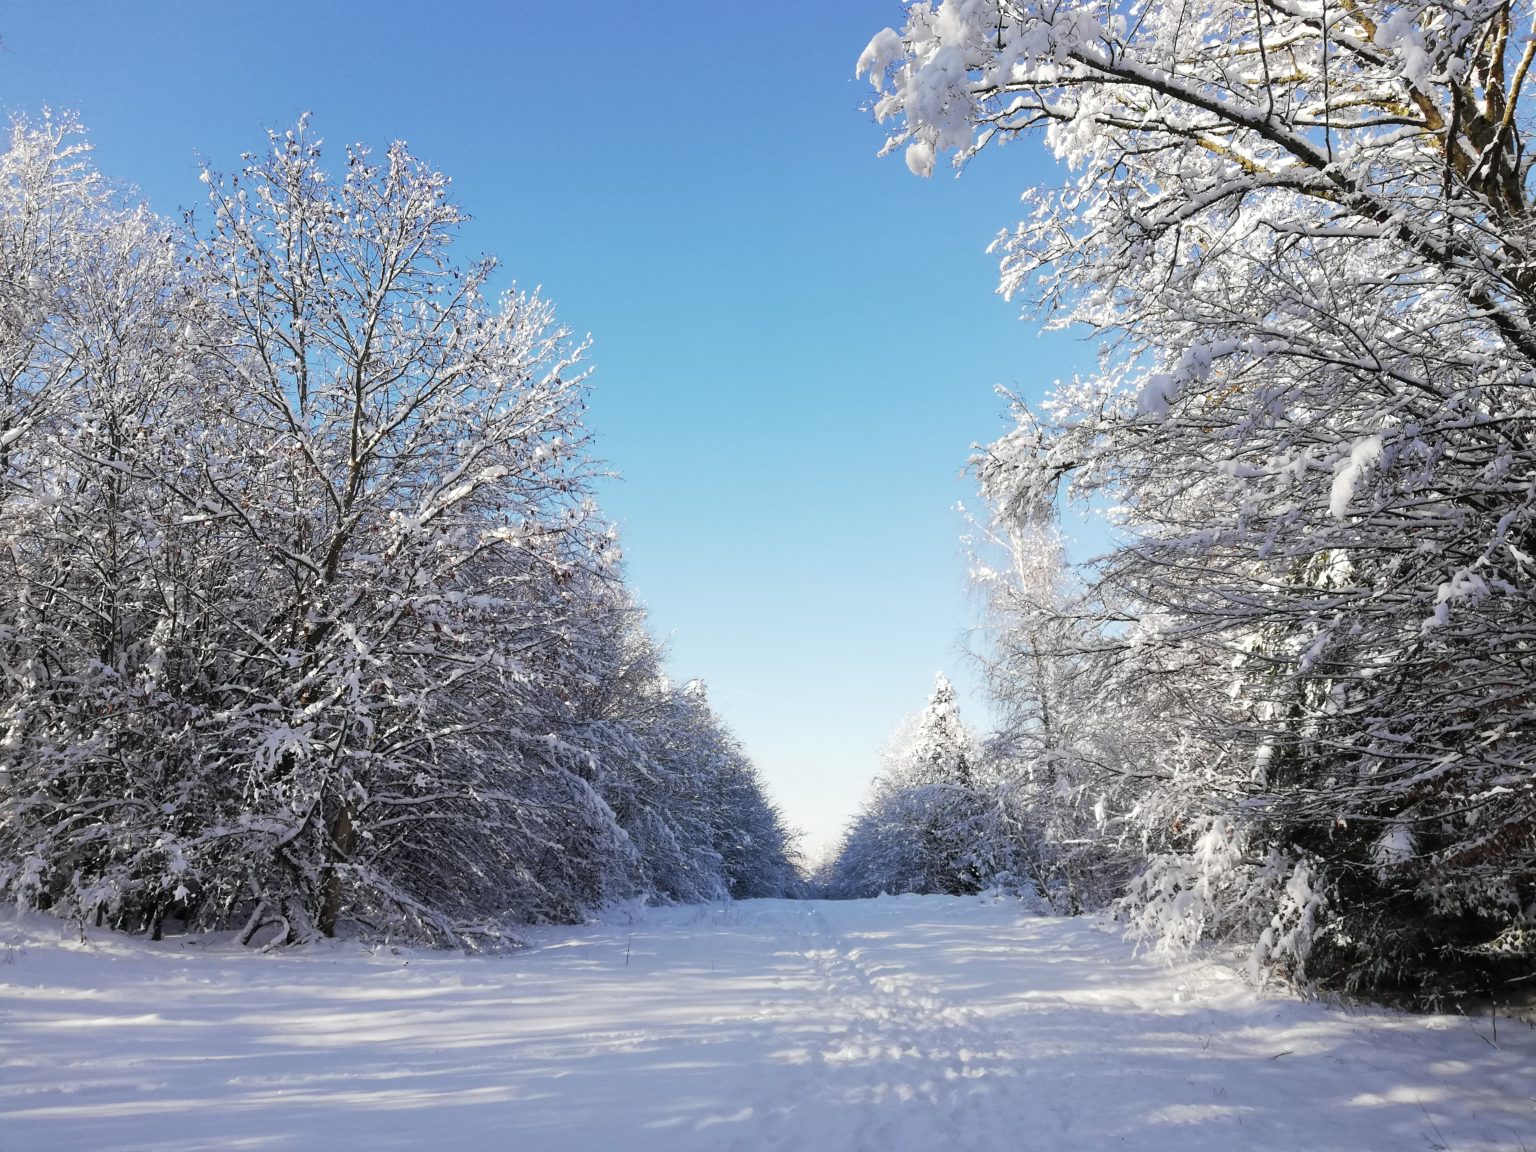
<point x="914" y="1023"/>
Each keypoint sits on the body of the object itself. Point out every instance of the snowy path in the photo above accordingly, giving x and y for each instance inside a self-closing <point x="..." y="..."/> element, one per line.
<point x="919" y="1023"/>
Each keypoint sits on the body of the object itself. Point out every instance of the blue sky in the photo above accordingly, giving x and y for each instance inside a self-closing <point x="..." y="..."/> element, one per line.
<point x="795" y="342"/>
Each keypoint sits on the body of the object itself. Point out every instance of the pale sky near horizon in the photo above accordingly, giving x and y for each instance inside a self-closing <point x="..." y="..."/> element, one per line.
<point x="796" y="343"/>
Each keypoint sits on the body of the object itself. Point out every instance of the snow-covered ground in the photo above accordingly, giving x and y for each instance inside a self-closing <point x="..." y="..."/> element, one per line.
<point x="916" y="1023"/>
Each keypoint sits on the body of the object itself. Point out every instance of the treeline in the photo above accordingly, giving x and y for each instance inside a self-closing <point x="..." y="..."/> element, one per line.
<point x="308" y="618"/>
<point x="1290" y="706"/>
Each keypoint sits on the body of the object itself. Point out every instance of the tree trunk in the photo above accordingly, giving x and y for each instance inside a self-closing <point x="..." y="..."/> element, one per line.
<point x="343" y="839"/>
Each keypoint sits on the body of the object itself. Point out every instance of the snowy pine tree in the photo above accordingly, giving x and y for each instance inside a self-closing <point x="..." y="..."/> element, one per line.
<point x="927" y="825"/>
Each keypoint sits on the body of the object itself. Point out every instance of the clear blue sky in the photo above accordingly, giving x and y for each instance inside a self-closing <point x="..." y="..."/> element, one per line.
<point x="796" y="342"/>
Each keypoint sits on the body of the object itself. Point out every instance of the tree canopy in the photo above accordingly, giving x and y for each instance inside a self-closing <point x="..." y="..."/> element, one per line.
<point x="1302" y="234"/>
<point x="309" y="618"/>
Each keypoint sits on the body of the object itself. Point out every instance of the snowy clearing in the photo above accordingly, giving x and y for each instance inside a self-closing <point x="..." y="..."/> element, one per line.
<point x="909" y="1023"/>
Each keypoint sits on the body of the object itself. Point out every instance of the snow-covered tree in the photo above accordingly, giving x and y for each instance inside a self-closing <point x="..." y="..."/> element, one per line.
<point x="107" y="565"/>
<point x="410" y="475"/>
<point x="1303" y="232"/>
<point x="927" y="823"/>
<point x="309" y="617"/>
<point x="1069" y="752"/>
<point x="686" y="796"/>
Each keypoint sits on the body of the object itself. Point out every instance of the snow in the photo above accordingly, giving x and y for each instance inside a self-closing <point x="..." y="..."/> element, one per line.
<point x="882" y="52"/>
<point x="910" y="1023"/>
<point x="1348" y="473"/>
<point x="920" y="157"/>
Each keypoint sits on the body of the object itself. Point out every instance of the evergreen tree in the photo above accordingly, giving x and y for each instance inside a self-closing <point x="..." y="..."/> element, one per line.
<point x="926" y="826"/>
